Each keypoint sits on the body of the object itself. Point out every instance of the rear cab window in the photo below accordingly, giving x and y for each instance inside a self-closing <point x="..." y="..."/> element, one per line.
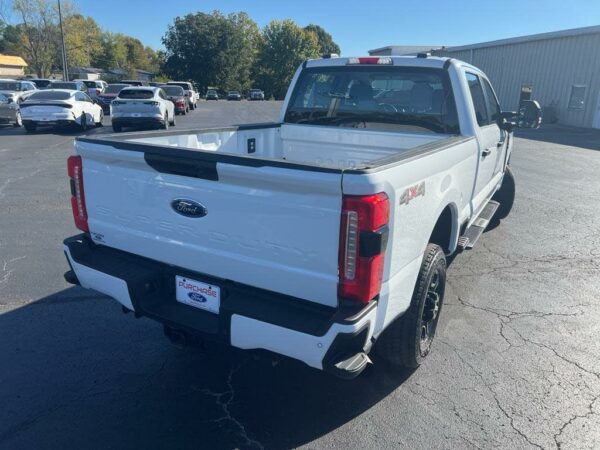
<point x="375" y="97"/>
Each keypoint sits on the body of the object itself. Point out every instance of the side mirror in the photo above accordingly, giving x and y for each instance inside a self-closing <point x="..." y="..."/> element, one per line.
<point x="530" y="114"/>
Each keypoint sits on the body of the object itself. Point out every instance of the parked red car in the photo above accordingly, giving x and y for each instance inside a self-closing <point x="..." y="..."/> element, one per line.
<point x="177" y="95"/>
<point x="109" y="94"/>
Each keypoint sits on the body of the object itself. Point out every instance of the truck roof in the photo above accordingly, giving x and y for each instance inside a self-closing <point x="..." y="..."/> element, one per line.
<point x="414" y="61"/>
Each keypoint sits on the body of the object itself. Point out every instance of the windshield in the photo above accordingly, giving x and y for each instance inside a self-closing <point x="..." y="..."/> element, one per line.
<point x="50" y="95"/>
<point x="234" y="93"/>
<point x="41" y="83"/>
<point x="185" y="86"/>
<point x="65" y="85"/>
<point x="396" y="98"/>
<point x="10" y="85"/>
<point x="136" y="94"/>
<point x="173" y="90"/>
<point x="114" y="88"/>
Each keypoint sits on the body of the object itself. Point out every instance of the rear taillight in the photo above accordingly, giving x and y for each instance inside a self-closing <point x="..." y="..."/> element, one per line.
<point x="75" y="169"/>
<point x="386" y="60"/>
<point x="363" y="239"/>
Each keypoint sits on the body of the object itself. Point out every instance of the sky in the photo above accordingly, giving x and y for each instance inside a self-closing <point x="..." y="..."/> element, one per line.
<point x="360" y="25"/>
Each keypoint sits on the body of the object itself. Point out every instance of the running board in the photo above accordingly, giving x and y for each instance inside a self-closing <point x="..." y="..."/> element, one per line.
<point x="469" y="238"/>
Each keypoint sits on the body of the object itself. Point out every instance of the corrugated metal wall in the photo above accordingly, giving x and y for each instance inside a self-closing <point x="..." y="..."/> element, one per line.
<point x="551" y="66"/>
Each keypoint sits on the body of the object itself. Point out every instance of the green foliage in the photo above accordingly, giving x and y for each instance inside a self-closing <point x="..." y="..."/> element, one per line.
<point x="211" y="49"/>
<point x="283" y="48"/>
<point x="36" y="37"/>
<point x="325" y="40"/>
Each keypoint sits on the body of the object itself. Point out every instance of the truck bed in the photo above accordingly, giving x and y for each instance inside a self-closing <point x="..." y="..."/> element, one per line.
<point x="289" y="145"/>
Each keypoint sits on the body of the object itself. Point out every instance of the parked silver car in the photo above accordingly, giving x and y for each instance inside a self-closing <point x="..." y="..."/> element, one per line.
<point x="12" y="93"/>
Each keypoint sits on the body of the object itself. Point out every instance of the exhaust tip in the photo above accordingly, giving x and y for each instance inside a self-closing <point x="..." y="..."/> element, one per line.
<point x="71" y="278"/>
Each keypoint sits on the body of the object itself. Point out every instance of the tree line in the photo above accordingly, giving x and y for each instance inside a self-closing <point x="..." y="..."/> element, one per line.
<point x="34" y="34"/>
<point x="229" y="52"/>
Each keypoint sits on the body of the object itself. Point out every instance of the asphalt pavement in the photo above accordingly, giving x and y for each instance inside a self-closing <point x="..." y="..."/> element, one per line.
<point x="515" y="364"/>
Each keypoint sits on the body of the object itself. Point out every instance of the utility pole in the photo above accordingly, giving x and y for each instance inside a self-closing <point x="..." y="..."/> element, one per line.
<point x="64" y="51"/>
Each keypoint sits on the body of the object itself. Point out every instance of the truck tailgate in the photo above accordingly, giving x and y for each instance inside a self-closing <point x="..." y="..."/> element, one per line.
<point x="274" y="228"/>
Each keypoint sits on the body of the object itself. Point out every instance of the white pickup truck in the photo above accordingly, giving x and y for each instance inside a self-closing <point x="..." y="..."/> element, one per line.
<point x="319" y="237"/>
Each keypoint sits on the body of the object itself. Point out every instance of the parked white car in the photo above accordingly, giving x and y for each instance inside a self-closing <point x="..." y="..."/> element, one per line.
<point x="60" y="107"/>
<point x="94" y="87"/>
<point x="320" y="237"/>
<point x="142" y="106"/>
<point x="18" y="90"/>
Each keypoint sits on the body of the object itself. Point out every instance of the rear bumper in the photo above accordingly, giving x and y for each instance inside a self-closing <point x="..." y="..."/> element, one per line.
<point x="249" y="318"/>
<point x="137" y="121"/>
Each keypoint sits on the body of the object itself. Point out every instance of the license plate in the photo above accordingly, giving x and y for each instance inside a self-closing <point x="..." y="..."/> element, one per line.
<point x="197" y="294"/>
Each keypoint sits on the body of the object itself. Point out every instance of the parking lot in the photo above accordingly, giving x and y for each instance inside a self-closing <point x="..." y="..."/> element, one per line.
<point x="516" y="361"/>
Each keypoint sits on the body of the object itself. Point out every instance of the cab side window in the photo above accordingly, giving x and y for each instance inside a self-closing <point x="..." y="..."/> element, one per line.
<point x="493" y="107"/>
<point x="479" y="103"/>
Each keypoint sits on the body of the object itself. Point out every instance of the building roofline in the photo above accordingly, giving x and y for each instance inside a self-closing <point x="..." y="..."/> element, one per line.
<point x="433" y="47"/>
<point x="532" y="37"/>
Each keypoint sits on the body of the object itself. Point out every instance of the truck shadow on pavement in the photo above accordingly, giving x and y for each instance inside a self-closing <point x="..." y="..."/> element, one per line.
<point x="586" y="138"/>
<point x="77" y="373"/>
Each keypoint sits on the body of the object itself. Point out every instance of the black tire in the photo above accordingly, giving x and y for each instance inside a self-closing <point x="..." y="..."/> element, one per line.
<point x="505" y="195"/>
<point x="117" y="128"/>
<point x="165" y="124"/>
<point x="172" y="123"/>
<point x="30" y="127"/>
<point x="407" y="341"/>
<point x="18" y="120"/>
<point x="83" y="122"/>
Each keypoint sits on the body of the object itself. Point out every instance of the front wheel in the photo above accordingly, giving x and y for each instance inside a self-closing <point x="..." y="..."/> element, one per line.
<point x="407" y="341"/>
<point x="506" y="194"/>
<point x="83" y="122"/>
<point x="100" y="122"/>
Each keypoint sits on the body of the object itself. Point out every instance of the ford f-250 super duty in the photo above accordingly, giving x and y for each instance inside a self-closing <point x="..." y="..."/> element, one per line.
<point x="319" y="237"/>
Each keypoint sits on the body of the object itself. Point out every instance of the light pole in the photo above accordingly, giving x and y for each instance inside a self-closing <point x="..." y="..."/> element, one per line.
<point x="64" y="51"/>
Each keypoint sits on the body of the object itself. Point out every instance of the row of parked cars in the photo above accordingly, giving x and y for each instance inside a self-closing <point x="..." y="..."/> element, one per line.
<point x="253" y="94"/>
<point x="84" y="103"/>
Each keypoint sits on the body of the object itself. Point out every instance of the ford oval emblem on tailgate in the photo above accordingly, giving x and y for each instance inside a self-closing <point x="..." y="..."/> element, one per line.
<point x="188" y="208"/>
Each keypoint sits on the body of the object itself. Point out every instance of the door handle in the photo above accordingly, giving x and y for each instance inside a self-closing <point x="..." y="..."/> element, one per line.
<point x="486" y="151"/>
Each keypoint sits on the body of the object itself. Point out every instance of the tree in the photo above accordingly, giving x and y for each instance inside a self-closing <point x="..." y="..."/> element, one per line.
<point x="212" y="49"/>
<point x="39" y="33"/>
<point x="283" y="48"/>
<point x="82" y="35"/>
<point x="325" y="40"/>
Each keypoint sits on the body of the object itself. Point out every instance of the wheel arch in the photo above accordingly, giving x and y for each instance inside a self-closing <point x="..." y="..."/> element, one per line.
<point x="446" y="229"/>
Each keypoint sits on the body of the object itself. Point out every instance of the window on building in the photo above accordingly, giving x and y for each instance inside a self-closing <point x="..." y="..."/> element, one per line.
<point x="577" y="98"/>
<point x="478" y="99"/>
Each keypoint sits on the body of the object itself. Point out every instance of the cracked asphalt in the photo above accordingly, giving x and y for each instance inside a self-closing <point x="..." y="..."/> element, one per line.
<point x="515" y="364"/>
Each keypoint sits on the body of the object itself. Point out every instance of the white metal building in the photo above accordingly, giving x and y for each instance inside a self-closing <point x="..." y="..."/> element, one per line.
<point x="560" y="69"/>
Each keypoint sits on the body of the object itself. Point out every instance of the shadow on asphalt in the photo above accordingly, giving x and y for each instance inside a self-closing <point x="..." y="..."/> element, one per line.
<point x="588" y="138"/>
<point x="77" y="373"/>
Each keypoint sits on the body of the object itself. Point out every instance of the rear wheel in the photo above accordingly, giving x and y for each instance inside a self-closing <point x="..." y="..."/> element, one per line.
<point x="173" y="121"/>
<point x="407" y="341"/>
<point x="18" y="120"/>
<point x="505" y="195"/>
<point x="165" y="124"/>
<point x="30" y="126"/>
